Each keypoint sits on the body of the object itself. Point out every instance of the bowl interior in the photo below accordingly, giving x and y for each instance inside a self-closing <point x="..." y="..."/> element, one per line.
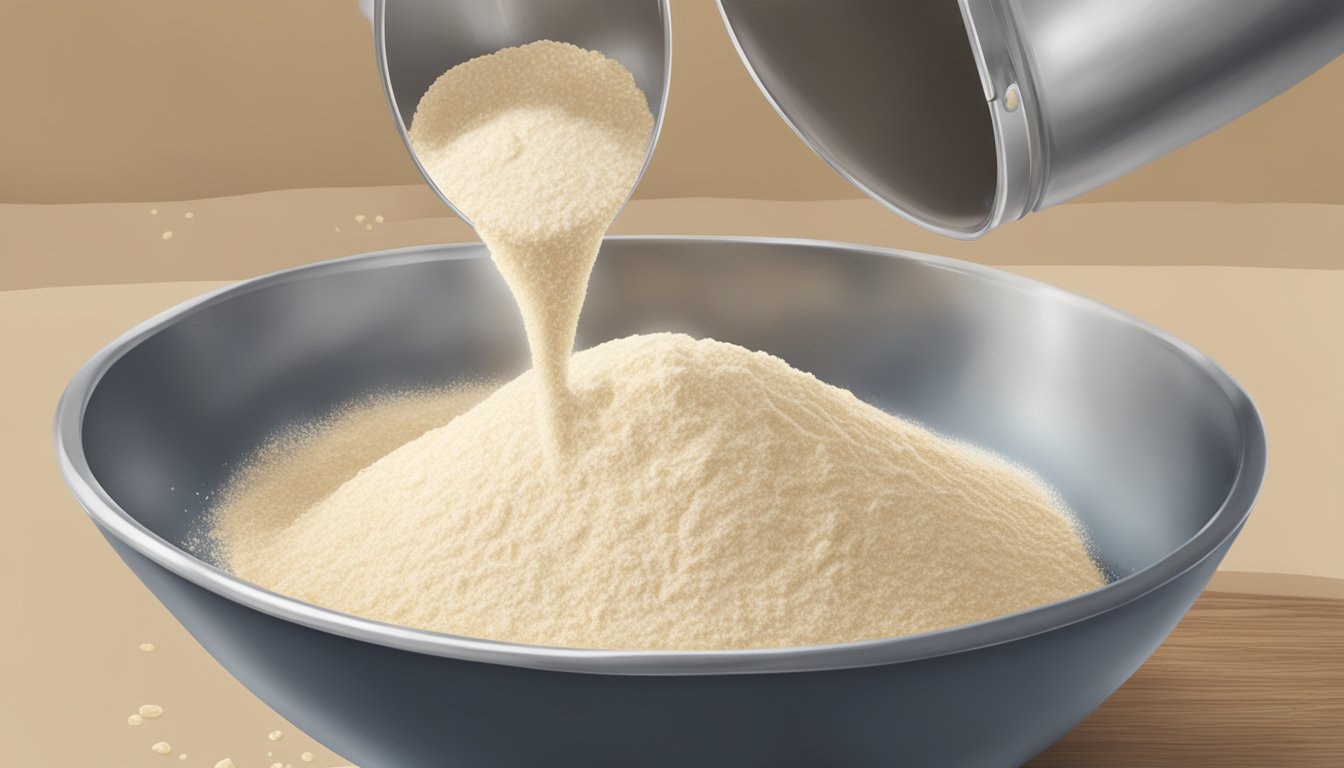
<point x="1138" y="434"/>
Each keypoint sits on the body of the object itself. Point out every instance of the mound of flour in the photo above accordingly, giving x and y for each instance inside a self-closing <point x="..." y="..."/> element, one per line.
<point x="718" y="499"/>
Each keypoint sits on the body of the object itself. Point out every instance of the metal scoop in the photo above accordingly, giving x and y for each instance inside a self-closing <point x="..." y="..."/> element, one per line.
<point x="418" y="40"/>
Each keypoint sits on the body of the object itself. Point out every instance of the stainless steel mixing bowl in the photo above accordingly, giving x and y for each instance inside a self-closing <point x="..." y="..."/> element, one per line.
<point x="1159" y="452"/>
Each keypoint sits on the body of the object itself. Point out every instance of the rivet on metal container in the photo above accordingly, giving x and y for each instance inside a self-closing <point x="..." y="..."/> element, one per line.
<point x="893" y="95"/>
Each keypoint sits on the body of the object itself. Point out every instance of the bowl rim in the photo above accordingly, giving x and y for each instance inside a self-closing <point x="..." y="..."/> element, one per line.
<point x="115" y="521"/>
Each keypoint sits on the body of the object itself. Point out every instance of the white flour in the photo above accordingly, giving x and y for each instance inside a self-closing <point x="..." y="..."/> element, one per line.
<point x="539" y="146"/>
<point x="704" y="497"/>
<point x="720" y="499"/>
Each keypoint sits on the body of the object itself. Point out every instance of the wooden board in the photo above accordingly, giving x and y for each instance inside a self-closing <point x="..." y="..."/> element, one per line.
<point x="1245" y="680"/>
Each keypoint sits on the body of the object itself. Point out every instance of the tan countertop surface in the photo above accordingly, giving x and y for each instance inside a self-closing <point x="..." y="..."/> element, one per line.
<point x="1260" y="288"/>
<point x="238" y="237"/>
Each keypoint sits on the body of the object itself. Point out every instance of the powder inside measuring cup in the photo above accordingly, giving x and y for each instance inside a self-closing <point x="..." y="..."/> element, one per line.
<point x="538" y="146"/>
<point x="670" y="493"/>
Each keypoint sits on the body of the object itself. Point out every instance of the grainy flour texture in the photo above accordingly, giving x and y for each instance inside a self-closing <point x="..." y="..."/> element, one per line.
<point x="539" y="146"/>
<point x="700" y="495"/>
<point x="305" y="462"/>
<point x="721" y="499"/>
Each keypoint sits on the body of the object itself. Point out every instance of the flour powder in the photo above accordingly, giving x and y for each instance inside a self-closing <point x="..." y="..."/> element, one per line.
<point x="670" y="493"/>
<point x="539" y="146"/>
<point x="720" y="499"/>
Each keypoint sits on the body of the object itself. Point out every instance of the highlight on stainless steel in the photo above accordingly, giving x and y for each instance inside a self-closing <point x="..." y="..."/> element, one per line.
<point x="418" y="40"/>
<point x="962" y="117"/>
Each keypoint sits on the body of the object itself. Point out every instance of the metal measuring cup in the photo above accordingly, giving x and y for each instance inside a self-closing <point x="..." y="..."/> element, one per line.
<point x="418" y="40"/>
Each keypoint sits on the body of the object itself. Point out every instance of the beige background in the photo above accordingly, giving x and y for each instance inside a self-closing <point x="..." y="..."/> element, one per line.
<point x="263" y="118"/>
<point x="179" y="99"/>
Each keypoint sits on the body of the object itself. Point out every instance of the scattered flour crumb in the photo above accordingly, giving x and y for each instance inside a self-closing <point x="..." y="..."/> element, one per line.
<point x="135" y="720"/>
<point x="161" y="748"/>
<point x="150" y="710"/>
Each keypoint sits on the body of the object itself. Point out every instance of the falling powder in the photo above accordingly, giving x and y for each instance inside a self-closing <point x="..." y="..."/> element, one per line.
<point x="539" y="146"/>
<point x="707" y="496"/>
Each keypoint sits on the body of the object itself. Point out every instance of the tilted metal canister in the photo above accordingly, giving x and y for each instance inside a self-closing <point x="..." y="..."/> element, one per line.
<point x="1079" y="92"/>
